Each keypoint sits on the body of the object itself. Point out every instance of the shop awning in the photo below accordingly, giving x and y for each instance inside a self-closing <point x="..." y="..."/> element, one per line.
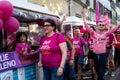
<point x="27" y="16"/>
<point x="28" y="12"/>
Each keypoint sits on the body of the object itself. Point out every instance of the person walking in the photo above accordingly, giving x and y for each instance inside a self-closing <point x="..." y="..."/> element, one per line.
<point x="78" y="42"/>
<point x="53" y="52"/>
<point x="99" y="46"/>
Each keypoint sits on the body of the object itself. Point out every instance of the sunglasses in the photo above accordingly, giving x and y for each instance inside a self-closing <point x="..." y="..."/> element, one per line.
<point x="101" y="24"/>
<point x="75" y="28"/>
<point x="106" y="29"/>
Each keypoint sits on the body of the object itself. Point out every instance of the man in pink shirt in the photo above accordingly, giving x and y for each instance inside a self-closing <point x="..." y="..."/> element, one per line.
<point x="99" y="46"/>
<point x="78" y="42"/>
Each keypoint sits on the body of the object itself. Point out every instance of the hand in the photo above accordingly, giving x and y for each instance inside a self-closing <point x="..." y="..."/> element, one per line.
<point x="39" y="64"/>
<point x="83" y="13"/>
<point x="86" y="52"/>
<point x="71" y="62"/>
<point x="59" y="71"/>
<point x="64" y="18"/>
<point x="84" y="16"/>
<point x="32" y="52"/>
<point x="23" y="49"/>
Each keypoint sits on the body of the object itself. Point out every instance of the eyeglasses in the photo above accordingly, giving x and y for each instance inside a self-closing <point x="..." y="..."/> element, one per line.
<point x="101" y="24"/>
<point x="46" y="25"/>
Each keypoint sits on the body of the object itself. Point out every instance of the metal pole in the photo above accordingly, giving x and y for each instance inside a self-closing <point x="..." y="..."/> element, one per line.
<point x="69" y="7"/>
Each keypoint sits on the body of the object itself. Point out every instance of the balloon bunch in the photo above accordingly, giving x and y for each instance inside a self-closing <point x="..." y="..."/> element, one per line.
<point x="9" y="23"/>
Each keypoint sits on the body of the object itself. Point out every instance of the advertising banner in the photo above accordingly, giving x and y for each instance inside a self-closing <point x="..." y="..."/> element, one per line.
<point x="11" y="60"/>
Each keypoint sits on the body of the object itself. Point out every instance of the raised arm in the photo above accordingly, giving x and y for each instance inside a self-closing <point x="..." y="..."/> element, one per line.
<point x="114" y="29"/>
<point x="87" y="26"/>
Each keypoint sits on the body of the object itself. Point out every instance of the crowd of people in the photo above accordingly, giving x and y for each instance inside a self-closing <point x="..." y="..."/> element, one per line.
<point x="62" y="57"/>
<point x="98" y="45"/>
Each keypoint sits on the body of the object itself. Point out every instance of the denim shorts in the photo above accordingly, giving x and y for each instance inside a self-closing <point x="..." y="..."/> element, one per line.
<point x="80" y="60"/>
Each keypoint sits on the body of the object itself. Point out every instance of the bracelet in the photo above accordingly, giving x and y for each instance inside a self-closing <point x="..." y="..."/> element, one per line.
<point x="61" y="67"/>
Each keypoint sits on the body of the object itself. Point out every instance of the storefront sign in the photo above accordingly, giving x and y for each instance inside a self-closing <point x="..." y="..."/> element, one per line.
<point x="11" y="60"/>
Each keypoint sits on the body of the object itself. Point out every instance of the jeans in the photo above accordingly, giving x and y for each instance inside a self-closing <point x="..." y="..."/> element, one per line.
<point x="69" y="72"/>
<point x="117" y="56"/>
<point x="100" y="61"/>
<point x="51" y="74"/>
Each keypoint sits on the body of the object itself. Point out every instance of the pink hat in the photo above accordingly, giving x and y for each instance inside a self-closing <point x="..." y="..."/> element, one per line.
<point x="104" y="18"/>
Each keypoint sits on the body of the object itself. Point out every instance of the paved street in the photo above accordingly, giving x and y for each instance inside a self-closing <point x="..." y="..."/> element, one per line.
<point x="87" y="75"/>
<point x="116" y="77"/>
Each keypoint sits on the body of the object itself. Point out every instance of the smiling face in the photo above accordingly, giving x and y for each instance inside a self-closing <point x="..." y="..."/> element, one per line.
<point x="22" y="38"/>
<point x="48" y="28"/>
<point x="76" y="31"/>
<point x="100" y="26"/>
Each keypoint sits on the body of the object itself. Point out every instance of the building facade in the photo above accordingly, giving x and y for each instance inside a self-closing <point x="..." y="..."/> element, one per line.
<point x="57" y="7"/>
<point x="78" y="5"/>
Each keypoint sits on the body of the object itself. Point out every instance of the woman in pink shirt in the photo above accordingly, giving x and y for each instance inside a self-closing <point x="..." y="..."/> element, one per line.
<point x="53" y="52"/>
<point x="22" y="45"/>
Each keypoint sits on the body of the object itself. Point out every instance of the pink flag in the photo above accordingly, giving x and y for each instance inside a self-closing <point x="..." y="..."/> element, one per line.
<point x="97" y="11"/>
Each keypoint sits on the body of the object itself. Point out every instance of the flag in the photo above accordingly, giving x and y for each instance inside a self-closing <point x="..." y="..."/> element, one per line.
<point x="68" y="41"/>
<point x="97" y="11"/>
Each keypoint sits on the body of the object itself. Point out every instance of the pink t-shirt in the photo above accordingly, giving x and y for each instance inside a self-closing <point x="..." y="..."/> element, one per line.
<point x="50" y="51"/>
<point x="110" y="38"/>
<point x="90" y="44"/>
<point x="99" y="43"/>
<point x="78" y="44"/>
<point x="20" y="46"/>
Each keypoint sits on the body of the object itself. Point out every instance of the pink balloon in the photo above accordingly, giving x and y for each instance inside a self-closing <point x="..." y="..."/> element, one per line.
<point x="1" y="24"/>
<point x="11" y="25"/>
<point x="6" y="9"/>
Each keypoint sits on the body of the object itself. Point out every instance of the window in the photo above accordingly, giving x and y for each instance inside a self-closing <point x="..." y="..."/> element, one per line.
<point x="88" y="2"/>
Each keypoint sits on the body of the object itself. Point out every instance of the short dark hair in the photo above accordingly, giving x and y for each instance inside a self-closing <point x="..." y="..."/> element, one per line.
<point x="19" y="34"/>
<point x="52" y="22"/>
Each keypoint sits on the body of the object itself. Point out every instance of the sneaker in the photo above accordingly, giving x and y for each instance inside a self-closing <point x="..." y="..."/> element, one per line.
<point x="112" y="74"/>
<point x="106" y="73"/>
